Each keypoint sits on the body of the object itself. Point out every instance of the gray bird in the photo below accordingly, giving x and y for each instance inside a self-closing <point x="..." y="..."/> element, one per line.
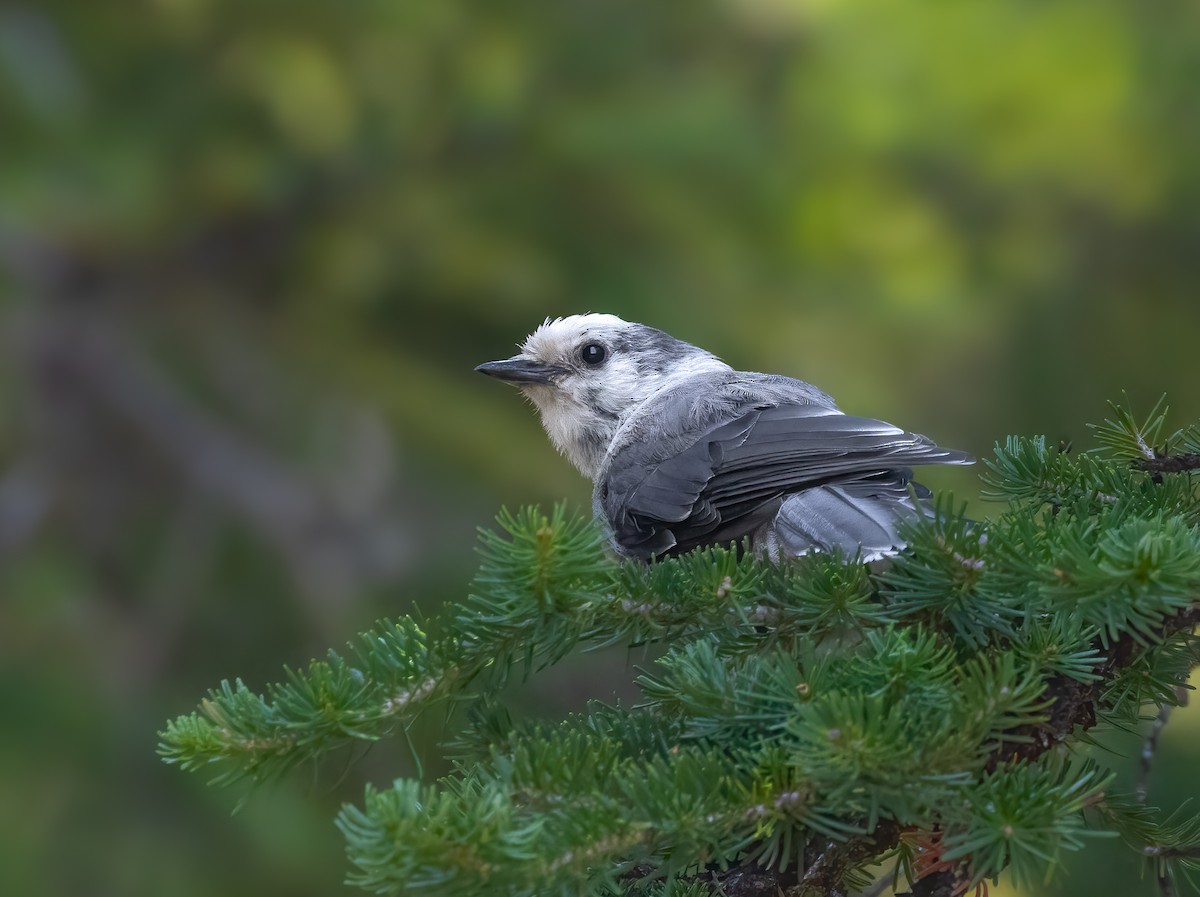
<point x="684" y="451"/>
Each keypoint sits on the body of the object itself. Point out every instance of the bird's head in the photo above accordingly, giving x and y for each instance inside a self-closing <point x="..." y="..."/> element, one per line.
<point x="586" y="373"/>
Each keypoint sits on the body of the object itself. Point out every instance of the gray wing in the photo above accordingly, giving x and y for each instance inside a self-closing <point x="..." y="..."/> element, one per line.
<point x="735" y="471"/>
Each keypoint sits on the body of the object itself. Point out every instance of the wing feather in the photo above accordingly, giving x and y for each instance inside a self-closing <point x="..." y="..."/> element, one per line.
<point x="722" y="474"/>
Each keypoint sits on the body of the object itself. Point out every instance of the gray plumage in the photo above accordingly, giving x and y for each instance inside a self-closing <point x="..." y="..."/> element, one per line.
<point x="684" y="451"/>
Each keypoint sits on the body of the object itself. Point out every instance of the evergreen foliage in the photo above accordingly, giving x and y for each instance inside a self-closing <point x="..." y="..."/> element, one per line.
<point x="806" y="722"/>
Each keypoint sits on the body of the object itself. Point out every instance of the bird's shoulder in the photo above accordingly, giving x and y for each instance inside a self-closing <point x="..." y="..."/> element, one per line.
<point x="683" y="412"/>
<point x="683" y="416"/>
<point x="662" y="459"/>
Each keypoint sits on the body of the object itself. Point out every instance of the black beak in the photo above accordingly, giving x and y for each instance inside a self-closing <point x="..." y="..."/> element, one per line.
<point x="519" y="369"/>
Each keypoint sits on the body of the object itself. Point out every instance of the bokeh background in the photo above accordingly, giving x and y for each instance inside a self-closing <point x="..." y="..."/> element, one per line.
<point x="250" y="252"/>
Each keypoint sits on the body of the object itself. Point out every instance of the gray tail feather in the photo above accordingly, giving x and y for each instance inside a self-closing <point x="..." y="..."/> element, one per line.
<point x="862" y="516"/>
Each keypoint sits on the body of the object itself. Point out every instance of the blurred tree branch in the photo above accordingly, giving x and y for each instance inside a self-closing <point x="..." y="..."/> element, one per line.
<point x="106" y="422"/>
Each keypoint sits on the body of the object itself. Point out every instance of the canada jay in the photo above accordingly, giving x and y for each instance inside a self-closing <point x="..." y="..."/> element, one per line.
<point x="684" y="451"/>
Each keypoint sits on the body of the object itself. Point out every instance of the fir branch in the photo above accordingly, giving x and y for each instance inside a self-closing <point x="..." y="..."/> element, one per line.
<point x="1025" y="470"/>
<point x="1075" y="703"/>
<point x="533" y="580"/>
<point x="1144" y="443"/>
<point x="1189" y="439"/>
<point x="1021" y="816"/>
<point x="806" y="720"/>
<point x="1189" y="852"/>
<point x="947" y="575"/>
<point x="1123" y="436"/>
<point x="387" y="673"/>
<point x="1160" y="464"/>
<point x="1150" y="748"/>
<point x="1170" y="848"/>
<point x="829" y="861"/>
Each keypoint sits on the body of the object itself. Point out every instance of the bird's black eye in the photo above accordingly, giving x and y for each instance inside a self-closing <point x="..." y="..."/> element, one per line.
<point x="593" y="354"/>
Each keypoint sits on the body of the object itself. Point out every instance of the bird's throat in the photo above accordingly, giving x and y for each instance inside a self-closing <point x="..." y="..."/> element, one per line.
<point x="579" y="433"/>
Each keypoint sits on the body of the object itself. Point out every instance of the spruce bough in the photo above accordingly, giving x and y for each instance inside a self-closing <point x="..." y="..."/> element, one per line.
<point x="807" y="722"/>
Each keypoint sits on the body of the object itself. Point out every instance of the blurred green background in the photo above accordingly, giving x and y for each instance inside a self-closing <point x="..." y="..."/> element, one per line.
<point x="250" y="252"/>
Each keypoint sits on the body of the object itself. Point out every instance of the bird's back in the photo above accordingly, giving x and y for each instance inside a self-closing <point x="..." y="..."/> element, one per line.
<point x="731" y="455"/>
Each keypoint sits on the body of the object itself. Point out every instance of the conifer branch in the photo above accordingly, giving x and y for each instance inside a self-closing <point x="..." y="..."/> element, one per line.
<point x="806" y="720"/>
<point x="1160" y="464"/>
<point x="1150" y="745"/>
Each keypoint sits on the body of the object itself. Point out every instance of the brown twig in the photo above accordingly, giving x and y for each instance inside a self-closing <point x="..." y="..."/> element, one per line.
<point x="827" y="860"/>
<point x="1191" y="852"/>
<point x="1166" y="884"/>
<point x="1150" y="746"/>
<point x="1161" y="464"/>
<point x="1074" y="702"/>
